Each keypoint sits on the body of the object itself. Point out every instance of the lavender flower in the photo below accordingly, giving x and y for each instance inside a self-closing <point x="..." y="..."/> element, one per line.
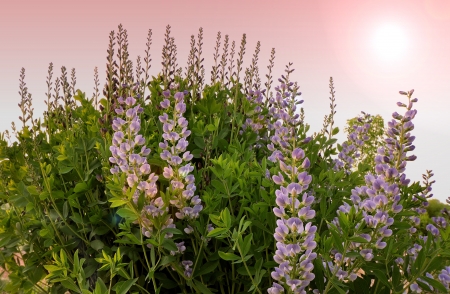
<point x="187" y="265"/>
<point x="442" y="277"/>
<point x="378" y="200"/>
<point x="178" y="172"/>
<point x="129" y="157"/>
<point x="294" y="233"/>
<point x="351" y="149"/>
<point x="255" y="119"/>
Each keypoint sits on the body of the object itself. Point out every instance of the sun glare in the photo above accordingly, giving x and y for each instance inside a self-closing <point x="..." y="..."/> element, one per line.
<point x="389" y="42"/>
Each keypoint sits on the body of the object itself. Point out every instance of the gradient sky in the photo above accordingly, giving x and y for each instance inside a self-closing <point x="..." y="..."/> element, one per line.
<point x="372" y="49"/>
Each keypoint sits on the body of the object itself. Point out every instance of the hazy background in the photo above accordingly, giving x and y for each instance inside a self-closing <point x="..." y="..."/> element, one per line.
<point x="372" y="49"/>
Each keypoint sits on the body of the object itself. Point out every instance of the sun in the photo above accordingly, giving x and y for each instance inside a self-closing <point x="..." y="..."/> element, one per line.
<point x="390" y="42"/>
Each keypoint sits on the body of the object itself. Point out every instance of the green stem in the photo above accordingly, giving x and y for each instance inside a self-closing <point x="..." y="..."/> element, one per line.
<point x="336" y="268"/>
<point x="246" y="268"/>
<point x="110" y="284"/>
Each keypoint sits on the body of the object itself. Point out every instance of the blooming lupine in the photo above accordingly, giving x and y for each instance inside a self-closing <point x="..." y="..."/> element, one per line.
<point x="256" y="120"/>
<point x="378" y="201"/>
<point x="294" y="233"/>
<point x="129" y="156"/>
<point x="178" y="172"/>
<point x="351" y="149"/>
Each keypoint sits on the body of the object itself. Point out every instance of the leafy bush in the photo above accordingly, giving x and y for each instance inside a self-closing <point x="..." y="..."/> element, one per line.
<point x="171" y="185"/>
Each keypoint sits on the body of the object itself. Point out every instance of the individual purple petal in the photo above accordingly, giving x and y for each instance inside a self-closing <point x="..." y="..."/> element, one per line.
<point x="130" y="101"/>
<point x="165" y="103"/>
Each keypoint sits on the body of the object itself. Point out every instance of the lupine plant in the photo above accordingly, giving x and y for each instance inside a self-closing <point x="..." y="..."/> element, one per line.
<point x="167" y="184"/>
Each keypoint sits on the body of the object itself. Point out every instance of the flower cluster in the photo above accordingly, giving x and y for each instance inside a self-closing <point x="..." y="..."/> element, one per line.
<point x="256" y="120"/>
<point x="443" y="277"/>
<point x="294" y="234"/>
<point x="187" y="266"/>
<point x="178" y="172"/>
<point x="351" y="149"/>
<point x="129" y="156"/>
<point x="378" y="200"/>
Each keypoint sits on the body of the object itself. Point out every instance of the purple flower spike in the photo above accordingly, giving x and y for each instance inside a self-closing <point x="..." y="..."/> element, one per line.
<point x="174" y="152"/>
<point x="380" y="198"/>
<point x="294" y="234"/>
<point x="129" y="156"/>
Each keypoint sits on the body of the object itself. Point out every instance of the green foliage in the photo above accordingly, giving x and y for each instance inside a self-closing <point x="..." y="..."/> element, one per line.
<point x="375" y="134"/>
<point x="435" y="207"/>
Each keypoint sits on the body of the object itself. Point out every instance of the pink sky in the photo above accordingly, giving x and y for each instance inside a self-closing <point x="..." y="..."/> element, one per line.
<point x="322" y="38"/>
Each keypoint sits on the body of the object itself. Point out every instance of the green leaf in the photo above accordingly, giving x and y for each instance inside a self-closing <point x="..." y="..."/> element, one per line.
<point x="52" y="268"/>
<point x="246" y="244"/>
<point x="335" y="131"/>
<point x="217" y="232"/>
<point x="226" y="217"/>
<point x="44" y="195"/>
<point x="123" y="287"/>
<point x="206" y="268"/>
<point x="166" y="260"/>
<point x="396" y="283"/>
<point x="58" y="194"/>
<point x="199" y="142"/>
<point x="44" y="232"/>
<point x="61" y="157"/>
<point x="172" y="231"/>
<point x="117" y="202"/>
<point x="196" y="153"/>
<point x="64" y="169"/>
<point x="80" y="187"/>
<point x="228" y="256"/>
<point x="65" y="209"/>
<point x="202" y="288"/>
<point x="127" y="213"/>
<point x="337" y="240"/>
<point x="435" y="284"/>
<point x="156" y="162"/>
<point x="97" y="245"/>
<point x="381" y="276"/>
<point x="100" y="287"/>
<point x="169" y="245"/>
<point x="211" y="127"/>
<point x="70" y="284"/>
<point x="223" y="133"/>
<point x="76" y="217"/>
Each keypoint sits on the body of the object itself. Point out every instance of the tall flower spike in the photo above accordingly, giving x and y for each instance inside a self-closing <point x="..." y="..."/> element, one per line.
<point x="351" y="149"/>
<point x="294" y="233"/>
<point x="378" y="201"/>
<point x="178" y="172"/>
<point x="255" y="119"/>
<point x="129" y="157"/>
